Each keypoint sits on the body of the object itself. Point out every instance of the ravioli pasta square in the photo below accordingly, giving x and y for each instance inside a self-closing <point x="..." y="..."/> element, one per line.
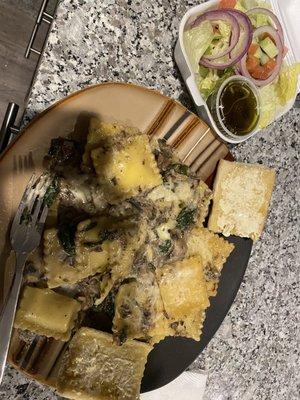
<point x="191" y="326"/>
<point x="99" y="243"/>
<point x="103" y="133"/>
<point x="47" y="313"/>
<point x="95" y="368"/>
<point x="58" y="269"/>
<point x="213" y="250"/>
<point x="139" y="310"/>
<point x="131" y="236"/>
<point x="96" y="244"/>
<point x="128" y="168"/>
<point x="184" y="295"/>
<point x="62" y="270"/>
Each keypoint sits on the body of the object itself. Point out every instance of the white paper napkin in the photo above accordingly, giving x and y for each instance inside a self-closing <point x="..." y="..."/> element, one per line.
<point x="189" y="385"/>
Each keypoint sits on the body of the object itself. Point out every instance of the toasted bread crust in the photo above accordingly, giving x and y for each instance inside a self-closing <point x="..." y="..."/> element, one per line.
<point x="242" y="194"/>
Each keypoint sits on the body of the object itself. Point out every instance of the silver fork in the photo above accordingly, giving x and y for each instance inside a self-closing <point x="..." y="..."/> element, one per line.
<point x="25" y="236"/>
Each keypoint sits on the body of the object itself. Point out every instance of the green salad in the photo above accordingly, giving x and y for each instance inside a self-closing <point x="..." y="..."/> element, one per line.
<point x="244" y="38"/>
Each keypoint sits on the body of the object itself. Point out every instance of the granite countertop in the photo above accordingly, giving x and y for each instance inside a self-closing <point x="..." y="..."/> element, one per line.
<point x="255" y="353"/>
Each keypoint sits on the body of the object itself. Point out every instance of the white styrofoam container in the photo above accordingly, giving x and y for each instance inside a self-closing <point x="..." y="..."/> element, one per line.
<point x="288" y="12"/>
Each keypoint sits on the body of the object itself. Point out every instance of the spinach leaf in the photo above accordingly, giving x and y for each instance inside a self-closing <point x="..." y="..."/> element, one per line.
<point x="151" y="267"/>
<point x="180" y="168"/>
<point x="186" y="217"/>
<point x="66" y="236"/>
<point x="165" y="247"/>
<point x="52" y="192"/>
<point x="26" y="216"/>
<point x="64" y="152"/>
<point x="106" y="234"/>
<point x="67" y="220"/>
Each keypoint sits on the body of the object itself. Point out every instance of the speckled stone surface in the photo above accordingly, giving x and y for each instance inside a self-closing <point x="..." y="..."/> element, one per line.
<point x="255" y="353"/>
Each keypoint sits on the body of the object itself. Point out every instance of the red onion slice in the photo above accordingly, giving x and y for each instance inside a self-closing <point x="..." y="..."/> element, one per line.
<point x="223" y="15"/>
<point x="267" y="12"/>
<point x="243" y="64"/>
<point x="237" y="69"/>
<point x="245" y="23"/>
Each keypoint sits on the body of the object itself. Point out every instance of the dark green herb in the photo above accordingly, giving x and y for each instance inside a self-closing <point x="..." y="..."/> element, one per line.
<point x="165" y="248"/>
<point x="30" y="268"/>
<point x="64" y="151"/>
<point x="180" y="168"/>
<point x="66" y="236"/>
<point x="151" y="267"/>
<point x="26" y="216"/>
<point x="52" y="192"/>
<point x="90" y="226"/>
<point x="186" y="217"/>
<point x="68" y="218"/>
<point x="135" y="203"/>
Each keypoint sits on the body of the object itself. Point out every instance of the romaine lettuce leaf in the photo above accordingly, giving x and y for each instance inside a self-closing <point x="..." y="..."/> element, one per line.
<point x="268" y="105"/>
<point x="224" y="29"/>
<point x="240" y="6"/>
<point x="211" y="80"/>
<point x="196" y="42"/>
<point x="248" y="4"/>
<point x="259" y="19"/>
<point x="278" y="94"/>
<point x="220" y="40"/>
<point x="286" y="86"/>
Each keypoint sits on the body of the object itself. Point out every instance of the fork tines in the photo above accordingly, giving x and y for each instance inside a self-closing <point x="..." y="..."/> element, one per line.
<point x="31" y="204"/>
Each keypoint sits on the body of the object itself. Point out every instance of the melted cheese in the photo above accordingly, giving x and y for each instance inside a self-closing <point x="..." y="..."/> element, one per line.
<point x="103" y="133"/>
<point x="139" y="309"/>
<point x="127" y="169"/>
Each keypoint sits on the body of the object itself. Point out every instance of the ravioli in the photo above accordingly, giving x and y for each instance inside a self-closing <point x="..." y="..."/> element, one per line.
<point x="130" y="236"/>
<point x="95" y="368"/>
<point x="47" y="313"/>
<point x="103" y="133"/>
<point x="213" y="250"/>
<point x="61" y="271"/>
<point x="128" y="168"/>
<point x="100" y="242"/>
<point x="139" y="310"/>
<point x="125" y="236"/>
<point x="184" y="295"/>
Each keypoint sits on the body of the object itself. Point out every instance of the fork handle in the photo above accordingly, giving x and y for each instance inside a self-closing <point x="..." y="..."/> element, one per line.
<point x="9" y="311"/>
